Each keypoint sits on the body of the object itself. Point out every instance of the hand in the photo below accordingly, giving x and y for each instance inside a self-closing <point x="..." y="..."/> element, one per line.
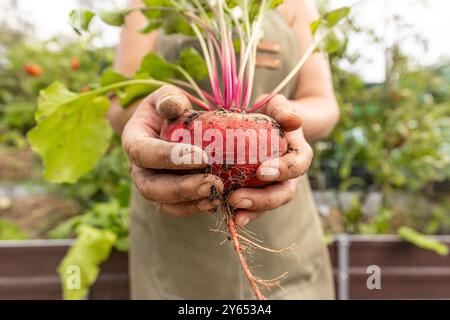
<point x="178" y="195"/>
<point x="250" y="204"/>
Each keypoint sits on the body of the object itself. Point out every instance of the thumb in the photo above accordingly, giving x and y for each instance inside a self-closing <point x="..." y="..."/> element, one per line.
<point x="279" y="108"/>
<point x="170" y="102"/>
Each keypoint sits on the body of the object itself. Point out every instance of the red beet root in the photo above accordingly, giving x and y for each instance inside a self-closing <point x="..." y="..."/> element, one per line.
<point x="236" y="143"/>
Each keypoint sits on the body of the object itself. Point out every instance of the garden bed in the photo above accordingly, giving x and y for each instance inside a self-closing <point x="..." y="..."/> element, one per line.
<point x="28" y="270"/>
<point x="407" y="272"/>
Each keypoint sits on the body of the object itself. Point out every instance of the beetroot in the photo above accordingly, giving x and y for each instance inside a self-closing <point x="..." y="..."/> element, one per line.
<point x="236" y="143"/>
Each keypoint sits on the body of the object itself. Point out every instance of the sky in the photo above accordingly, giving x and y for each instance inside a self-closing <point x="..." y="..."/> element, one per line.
<point x="430" y="21"/>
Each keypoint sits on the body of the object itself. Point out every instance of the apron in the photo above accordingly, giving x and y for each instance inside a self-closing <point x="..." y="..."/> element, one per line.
<point x="180" y="258"/>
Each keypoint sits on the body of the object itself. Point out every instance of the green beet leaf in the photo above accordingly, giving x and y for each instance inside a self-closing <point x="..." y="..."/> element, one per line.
<point x="71" y="133"/>
<point x="110" y="76"/>
<point x="51" y="98"/>
<point x="114" y="18"/>
<point x="174" y="22"/>
<point x="194" y="64"/>
<point x="133" y="92"/>
<point x="275" y="3"/>
<point x="315" y="25"/>
<point x="157" y="68"/>
<point x="335" y="16"/>
<point x="81" y="265"/>
<point x="151" y="26"/>
<point x="153" y="12"/>
<point x="423" y="241"/>
<point x="330" y="20"/>
<point x="333" y="42"/>
<point x="80" y="20"/>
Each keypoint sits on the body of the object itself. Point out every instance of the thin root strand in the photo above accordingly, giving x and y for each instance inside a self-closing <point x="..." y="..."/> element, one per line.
<point x="237" y="246"/>
<point x="256" y="245"/>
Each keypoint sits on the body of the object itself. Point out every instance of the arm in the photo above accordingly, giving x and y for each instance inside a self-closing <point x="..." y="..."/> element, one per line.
<point x="132" y="48"/>
<point x="315" y="101"/>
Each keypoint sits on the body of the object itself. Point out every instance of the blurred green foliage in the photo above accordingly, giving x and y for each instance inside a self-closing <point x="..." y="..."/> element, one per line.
<point x="109" y="179"/>
<point x="398" y="131"/>
<point x="112" y="216"/>
<point x="393" y="138"/>
<point x="77" y="64"/>
<point x="11" y="231"/>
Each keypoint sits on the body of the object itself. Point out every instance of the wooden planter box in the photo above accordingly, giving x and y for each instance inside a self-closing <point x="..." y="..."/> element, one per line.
<point x="28" y="270"/>
<point x="407" y="272"/>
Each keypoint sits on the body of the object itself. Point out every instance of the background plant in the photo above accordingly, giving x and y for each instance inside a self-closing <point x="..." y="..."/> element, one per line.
<point x="393" y="138"/>
<point x="76" y="63"/>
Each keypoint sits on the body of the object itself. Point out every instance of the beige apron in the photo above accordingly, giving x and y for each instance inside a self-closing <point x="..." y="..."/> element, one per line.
<point x="180" y="258"/>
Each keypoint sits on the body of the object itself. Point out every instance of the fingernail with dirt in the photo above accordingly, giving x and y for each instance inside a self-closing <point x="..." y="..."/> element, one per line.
<point x="213" y="193"/>
<point x="206" y="205"/>
<point x="171" y="106"/>
<point x="205" y="190"/>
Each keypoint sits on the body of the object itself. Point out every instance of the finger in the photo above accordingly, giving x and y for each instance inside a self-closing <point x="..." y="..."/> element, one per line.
<point x="146" y="121"/>
<point x="172" y="189"/>
<point x="280" y="109"/>
<point x="140" y="139"/>
<point x="270" y="47"/>
<point x="170" y="102"/>
<point x="188" y="208"/>
<point x="293" y="164"/>
<point x="243" y="217"/>
<point x="264" y="199"/>
<point x="146" y="150"/>
<point x="268" y="62"/>
<point x="153" y="153"/>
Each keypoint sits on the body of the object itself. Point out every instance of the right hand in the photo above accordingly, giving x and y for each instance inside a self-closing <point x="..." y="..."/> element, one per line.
<point x="174" y="194"/>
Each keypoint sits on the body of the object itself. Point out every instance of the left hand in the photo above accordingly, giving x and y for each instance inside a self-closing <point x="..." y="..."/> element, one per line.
<point x="251" y="204"/>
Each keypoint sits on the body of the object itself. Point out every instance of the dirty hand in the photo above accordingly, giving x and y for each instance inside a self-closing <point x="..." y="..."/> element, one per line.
<point x="251" y="204"/>
<point x="178" y="195"/>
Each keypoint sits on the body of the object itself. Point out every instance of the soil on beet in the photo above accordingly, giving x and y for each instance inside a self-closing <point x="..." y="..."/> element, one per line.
<point x="191" y="117"/>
